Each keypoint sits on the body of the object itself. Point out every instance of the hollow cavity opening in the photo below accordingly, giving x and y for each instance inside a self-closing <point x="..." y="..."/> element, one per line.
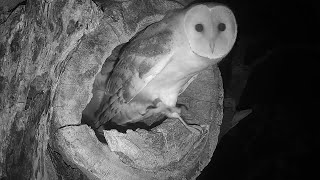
<point x="89" y="116"/>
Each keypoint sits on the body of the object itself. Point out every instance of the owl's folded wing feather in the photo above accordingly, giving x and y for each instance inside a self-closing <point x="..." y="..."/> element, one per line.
<point x="141" y="61"/>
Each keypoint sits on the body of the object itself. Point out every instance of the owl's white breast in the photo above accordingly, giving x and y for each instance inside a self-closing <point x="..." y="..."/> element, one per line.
<point x="167" y="84"/>
<point x="180" y="67"/>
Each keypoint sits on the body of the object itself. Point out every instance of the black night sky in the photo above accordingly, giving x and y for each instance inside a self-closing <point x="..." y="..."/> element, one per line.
<point x="275" y="141"/>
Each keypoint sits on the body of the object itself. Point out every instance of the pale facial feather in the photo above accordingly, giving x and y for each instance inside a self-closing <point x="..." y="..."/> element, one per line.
<point x="204" y="32"/>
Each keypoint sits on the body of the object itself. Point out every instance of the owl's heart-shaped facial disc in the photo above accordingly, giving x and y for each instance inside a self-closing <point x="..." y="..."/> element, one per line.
<point x="211" y="30"/>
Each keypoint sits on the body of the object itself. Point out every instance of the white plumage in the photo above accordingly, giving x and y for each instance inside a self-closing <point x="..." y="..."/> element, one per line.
<point x="159" y="63"/>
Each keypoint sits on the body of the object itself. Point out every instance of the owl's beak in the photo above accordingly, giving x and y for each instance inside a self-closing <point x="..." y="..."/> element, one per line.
<point x="212" y="46"/>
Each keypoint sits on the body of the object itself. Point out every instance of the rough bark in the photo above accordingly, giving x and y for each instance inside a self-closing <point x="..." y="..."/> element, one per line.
<point x="50" y="54"/>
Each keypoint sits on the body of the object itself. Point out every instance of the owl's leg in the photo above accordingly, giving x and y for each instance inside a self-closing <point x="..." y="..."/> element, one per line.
<point x="190" y="127"/>
<point x="174" y="112"/>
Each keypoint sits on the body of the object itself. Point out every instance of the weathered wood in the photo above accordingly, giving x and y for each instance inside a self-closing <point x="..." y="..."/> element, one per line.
<point x="50" y="54"/>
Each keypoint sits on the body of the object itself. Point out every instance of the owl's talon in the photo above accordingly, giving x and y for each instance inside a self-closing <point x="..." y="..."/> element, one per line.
<point x="195" y="127"/>
<point x="182" y="105"/>
<point x="174" y="113"/>
<point x="191" y="128"/>
<point x="175" y="110"/>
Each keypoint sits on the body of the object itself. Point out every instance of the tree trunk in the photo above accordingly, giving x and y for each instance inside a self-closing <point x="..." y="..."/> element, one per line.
<point x="50" y="54"/>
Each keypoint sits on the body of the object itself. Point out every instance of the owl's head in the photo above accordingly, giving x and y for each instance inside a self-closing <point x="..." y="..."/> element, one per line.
<point x="211" y="30"/>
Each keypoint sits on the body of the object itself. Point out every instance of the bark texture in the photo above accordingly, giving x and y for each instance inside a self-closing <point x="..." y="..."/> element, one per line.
<point x="50" y="53"/>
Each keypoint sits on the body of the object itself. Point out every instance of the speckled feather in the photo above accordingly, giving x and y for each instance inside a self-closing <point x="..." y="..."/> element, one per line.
<point x="137" y="60"/>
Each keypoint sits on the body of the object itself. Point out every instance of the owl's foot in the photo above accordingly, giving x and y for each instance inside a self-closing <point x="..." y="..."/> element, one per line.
<point x="174" y="112"/>
<point x="192" y="128"/>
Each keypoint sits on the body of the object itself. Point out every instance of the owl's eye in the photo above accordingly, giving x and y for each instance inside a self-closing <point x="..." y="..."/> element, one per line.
<point x="221" y="26"/>
<point x="199" y="27"/>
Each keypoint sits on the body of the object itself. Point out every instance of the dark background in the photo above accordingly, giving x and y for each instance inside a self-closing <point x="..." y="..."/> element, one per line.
<point x="277" y="140"/>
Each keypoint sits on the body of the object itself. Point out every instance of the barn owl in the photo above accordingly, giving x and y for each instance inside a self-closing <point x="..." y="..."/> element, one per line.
<point x="160" y="62"/>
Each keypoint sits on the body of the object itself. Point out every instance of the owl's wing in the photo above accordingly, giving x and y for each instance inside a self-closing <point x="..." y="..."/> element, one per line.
<point x="139" y="63"/>
<point x="141" y="60"/>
